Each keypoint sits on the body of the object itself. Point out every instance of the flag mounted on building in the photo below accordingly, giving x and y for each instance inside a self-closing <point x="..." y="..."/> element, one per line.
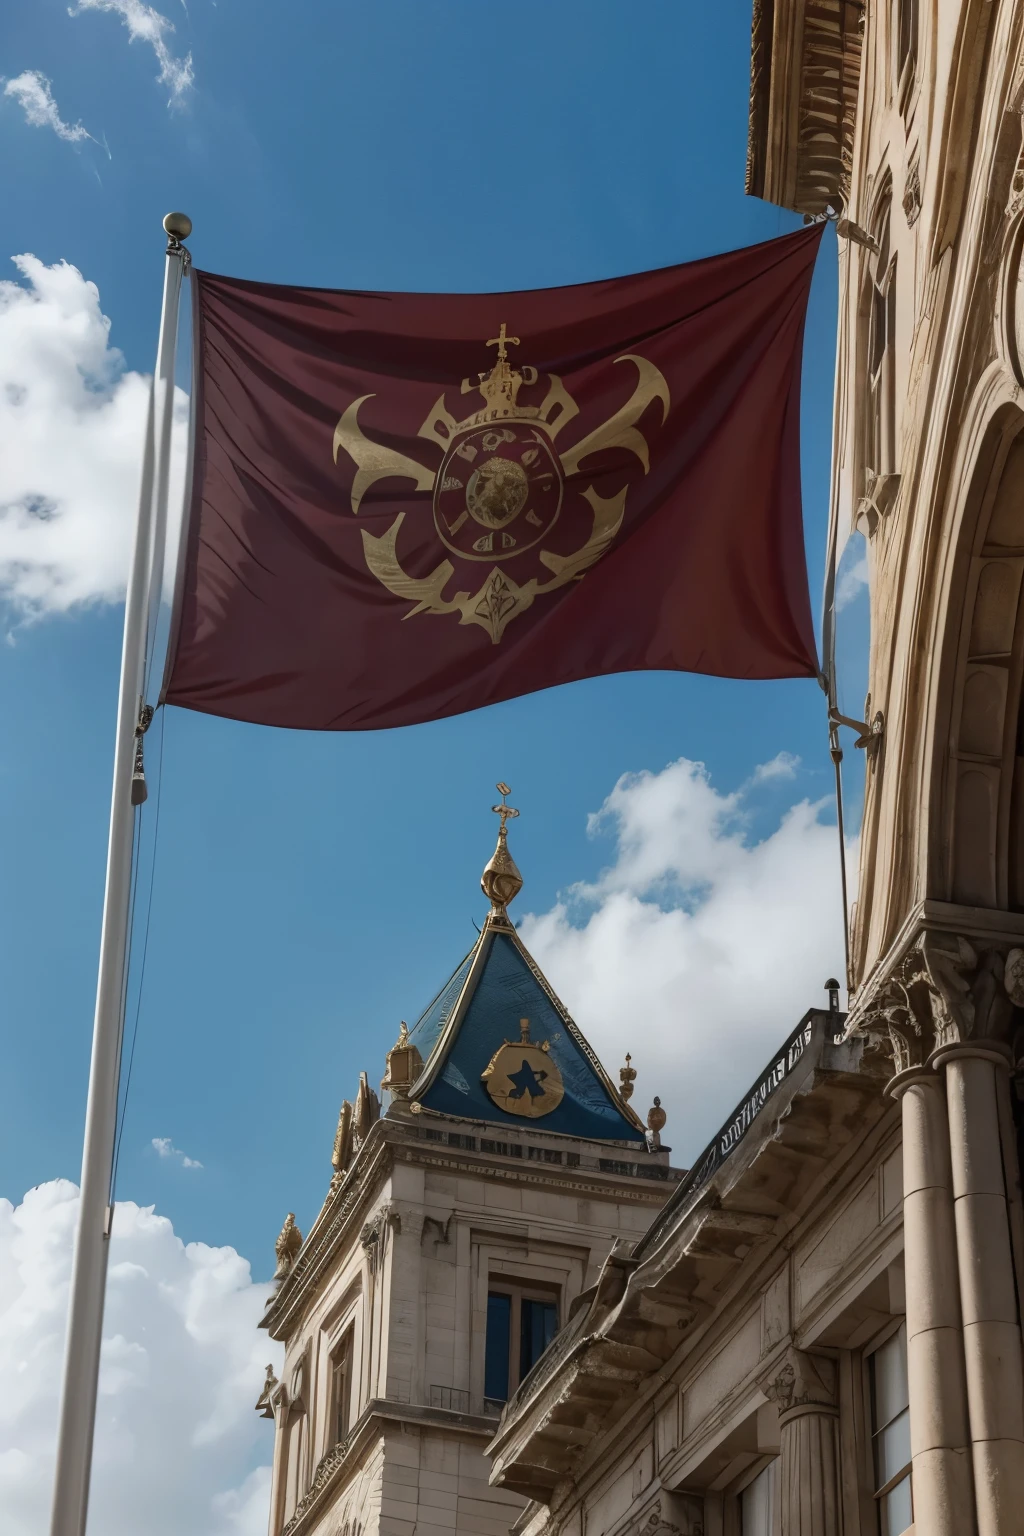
<point x="409" y="505"/>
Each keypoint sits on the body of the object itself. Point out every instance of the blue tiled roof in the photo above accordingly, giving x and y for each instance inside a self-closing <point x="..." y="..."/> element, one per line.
<point x="436" y="1014"/>
<point x="499" y="984"/>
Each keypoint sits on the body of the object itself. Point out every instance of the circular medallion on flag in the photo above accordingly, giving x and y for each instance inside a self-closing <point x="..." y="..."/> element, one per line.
<point x="522" y="1079"/>
<point x="498" y="491"/>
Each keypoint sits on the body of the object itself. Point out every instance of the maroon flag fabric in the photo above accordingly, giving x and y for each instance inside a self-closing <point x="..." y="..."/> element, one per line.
<point x="409" y="505"/>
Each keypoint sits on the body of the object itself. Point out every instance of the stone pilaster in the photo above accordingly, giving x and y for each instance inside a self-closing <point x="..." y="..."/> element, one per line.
<point x="804" y="1387"/>
<point x="972" y="1014"/>
<point x="946" y="1010"/>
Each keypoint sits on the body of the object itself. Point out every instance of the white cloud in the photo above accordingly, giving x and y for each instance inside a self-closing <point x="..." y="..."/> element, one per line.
<point x="852" y="581"/>
<point x="34" y="94"/>
<point x="783" y="766"/>
<point x="178" y="1445"/>
<point x="71" y="428"/>
<point x="698" y="946"/>
<point x="148" y="26"/>
<point x="164" y="1148"/>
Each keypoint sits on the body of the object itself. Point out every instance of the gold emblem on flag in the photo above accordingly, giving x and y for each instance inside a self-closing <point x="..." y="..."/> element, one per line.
<point x="499" y="489"/>
<point x="521" y="1077"/>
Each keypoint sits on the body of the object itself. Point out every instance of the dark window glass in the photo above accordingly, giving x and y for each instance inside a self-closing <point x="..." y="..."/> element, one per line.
<point x="537" y="1325"/>
<point x="341" y="1388"/>
<point x="499" y="1322"/>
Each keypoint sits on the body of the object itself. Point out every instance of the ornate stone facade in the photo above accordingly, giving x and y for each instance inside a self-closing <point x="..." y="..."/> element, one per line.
<point x="821" y="1332"/>
<point x="388" y="1394"/>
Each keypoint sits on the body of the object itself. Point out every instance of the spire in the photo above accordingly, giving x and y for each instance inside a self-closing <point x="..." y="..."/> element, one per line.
<point x="501" y="881"/>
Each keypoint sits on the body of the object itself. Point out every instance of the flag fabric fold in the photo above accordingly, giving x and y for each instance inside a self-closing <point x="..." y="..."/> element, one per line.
<point x="409" y="505"/>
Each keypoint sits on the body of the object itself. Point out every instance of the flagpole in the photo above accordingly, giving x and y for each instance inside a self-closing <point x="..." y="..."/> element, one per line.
<point x="89" y="1269"/>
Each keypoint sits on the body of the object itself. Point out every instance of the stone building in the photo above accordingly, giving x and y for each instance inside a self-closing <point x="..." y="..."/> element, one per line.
<point x="462" y="1223"/>
<point x="820" y="1334"/>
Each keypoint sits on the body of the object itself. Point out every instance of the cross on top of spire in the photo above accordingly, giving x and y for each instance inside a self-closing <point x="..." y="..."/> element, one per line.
<point x="499" y="342"/>
<point x="504" y="810"/>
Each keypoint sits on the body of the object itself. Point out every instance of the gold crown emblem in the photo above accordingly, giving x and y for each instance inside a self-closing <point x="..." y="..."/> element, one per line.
<point x="498" y="488"/>
<point x="500" y="389"/>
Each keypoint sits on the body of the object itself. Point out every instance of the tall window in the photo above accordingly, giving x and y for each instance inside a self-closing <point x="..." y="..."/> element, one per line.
<point x="906" y="36"/>
<point x="521" y="1322"/>
<point x="881" y="445"/>
<point x="341" y="1389"/>
<point x="760" y="1504"/>
<point x="890" y="1424"/>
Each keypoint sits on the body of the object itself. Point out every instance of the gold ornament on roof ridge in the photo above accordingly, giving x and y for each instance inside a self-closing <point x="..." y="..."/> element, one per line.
<point x="627" y="1077"/>
<point x="501" y="881"/>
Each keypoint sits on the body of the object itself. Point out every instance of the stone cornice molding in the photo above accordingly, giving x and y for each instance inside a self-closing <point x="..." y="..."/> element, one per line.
<point x="392" y="1141"/>
<point x="643" y="1326"/>
<point x="804" y="79"/>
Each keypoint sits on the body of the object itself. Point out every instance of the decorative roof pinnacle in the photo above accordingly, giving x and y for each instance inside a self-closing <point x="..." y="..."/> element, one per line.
<point x="501" y="881"/>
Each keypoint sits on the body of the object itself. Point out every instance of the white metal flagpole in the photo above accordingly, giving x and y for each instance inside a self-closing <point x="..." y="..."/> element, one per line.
<point x="89" y="1271"/>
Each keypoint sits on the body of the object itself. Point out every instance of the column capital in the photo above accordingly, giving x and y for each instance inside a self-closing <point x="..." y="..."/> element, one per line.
<point x="938" y="994"/>
<point x="799" y="1383"/>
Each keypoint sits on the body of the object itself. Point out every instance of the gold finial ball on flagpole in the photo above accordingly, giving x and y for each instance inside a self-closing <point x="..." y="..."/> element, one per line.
<point x="178" y="225"/>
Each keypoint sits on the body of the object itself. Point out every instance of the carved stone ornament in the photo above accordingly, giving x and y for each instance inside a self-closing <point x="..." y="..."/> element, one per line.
<point x="374" y="1235"/>
<point x="671" y="1514"/>
<point x="943" y="993"/>
<point x="326" y="1469"/>
<point x="264" y="1403"/>
<point x="799" y="1380"/>
<point x="366" y="1113"/>
<point x="1013" y="977"/>
<point x="341" y="1156"/>
<point x="289" y="1241"/>
<point x="912" y="195"/>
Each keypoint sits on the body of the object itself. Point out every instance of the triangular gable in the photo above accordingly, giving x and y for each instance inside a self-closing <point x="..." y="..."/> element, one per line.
<point x="500" y="985"/>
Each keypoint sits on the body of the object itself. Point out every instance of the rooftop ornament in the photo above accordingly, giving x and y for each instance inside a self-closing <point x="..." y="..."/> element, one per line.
<point x="501" y="881"/>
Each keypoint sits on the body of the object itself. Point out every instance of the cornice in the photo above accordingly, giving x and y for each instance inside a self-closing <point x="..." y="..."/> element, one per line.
<point x="804" y="80"/>
<point x="396" y="1141"/>
<point x="337" y="1466"/>
<point x="644" y="1317"/>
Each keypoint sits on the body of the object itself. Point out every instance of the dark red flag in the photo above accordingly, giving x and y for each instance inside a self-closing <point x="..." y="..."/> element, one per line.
<point x="408" y="505"/>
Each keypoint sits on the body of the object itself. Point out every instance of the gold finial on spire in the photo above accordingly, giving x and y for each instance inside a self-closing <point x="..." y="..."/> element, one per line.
<point x="501" y="881"/>
<point x="627" y="1077"/>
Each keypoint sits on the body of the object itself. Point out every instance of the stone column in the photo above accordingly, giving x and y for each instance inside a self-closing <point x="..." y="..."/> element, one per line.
<point x="991" y="1327"/>
<point x="804" y="1387"/>
<point x="939" y="1439"/>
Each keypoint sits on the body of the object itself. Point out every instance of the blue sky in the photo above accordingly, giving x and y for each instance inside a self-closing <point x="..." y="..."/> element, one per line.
<point x="310" y="891"/>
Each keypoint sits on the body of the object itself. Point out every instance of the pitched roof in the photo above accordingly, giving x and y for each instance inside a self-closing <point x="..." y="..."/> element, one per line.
<point x="484" y="1007"/>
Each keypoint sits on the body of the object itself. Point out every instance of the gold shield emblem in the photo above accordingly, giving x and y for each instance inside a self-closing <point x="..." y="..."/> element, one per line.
<point x="522" y="1079"/>
<point x="499" y="488"/>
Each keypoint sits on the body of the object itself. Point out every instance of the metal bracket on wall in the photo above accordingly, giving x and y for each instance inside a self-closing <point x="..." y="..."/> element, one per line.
<point x="869" y="736"/>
